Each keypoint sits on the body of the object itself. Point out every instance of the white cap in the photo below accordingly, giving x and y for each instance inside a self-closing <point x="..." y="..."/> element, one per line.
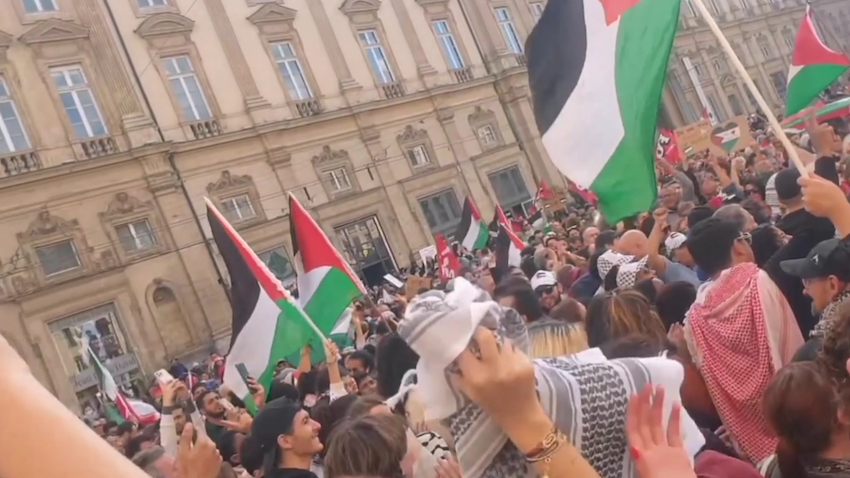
<point x="543" y="278"/>
<point x="674" y="241"/>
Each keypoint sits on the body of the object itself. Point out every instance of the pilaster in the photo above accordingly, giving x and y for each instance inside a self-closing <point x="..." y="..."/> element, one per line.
<point x="347" y="83"/>
<point x="424" y="68"/>
<point x="467" y="169"/>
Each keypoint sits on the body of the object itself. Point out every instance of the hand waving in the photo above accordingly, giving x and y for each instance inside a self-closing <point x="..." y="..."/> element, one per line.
<point x="657" y="453"/>
<point x="199" y="459"/>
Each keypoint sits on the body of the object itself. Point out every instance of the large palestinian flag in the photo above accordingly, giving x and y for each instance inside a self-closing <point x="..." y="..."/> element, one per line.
<point x="472" y="231"/>
<point x="814" y="66"/>
<point x="508" y="245"/>
<point x="326" y="284"/>
<point x="268" y="324"/>
<point x="596" y="71"/>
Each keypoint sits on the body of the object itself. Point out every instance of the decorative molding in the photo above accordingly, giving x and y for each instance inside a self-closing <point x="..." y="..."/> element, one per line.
<point x="54" y="30"/>
<point x="228" y="181"/>
<point x="165" y="24"/>
<point x="329" y="155"/>
<point x="353" y="7"/>
<point x="46" y="224"/>
<point x="272" y="13"/>
<point x="124" y="204"/>
<point x="480" y="116"/>
<point x="5" y="40"/>
<point x="425" y="3"/>
<point x="279" y="157"/>
<point x="410" y="135"/>
<point x="445" y="115"/>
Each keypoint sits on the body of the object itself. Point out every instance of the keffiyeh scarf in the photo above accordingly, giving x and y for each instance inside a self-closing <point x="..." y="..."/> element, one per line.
<point x="741" y="330"/>
<point x="584" y="394"/>
<point x="831" y="313"/>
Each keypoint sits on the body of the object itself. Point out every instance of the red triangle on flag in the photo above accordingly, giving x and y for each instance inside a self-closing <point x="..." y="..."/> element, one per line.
<point x="320" y="252"/>
<point x="810" y="50"/>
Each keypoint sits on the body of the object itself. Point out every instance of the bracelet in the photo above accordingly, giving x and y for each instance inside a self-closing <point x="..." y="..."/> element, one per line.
<point x="547" y="448"/>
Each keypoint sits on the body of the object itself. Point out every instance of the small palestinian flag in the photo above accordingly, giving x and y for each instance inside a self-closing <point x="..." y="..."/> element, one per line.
<point x="472" y="231"/>
<point x="814" y="66"/>
<point x="727" y="136"/>
<point x="326" y="284"/>
<point x="507" y="249"/>
<point x="130" y="409"/>
<point x="268" y="324"/>
<point x="603" y="62"/>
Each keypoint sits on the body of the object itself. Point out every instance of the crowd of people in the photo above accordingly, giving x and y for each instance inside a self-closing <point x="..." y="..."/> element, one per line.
<point x="708" y="337"/>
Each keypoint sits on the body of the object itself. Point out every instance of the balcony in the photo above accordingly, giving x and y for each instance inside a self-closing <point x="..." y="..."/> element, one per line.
<point x="205" y="129"/>
<point x="392" y="90"/>
<point x="463" y="75"/>
<point x="20" y="163"/>
<point x="97" y="147"/>
<point x="308" y="107"/>
<point x="520" y="59"/>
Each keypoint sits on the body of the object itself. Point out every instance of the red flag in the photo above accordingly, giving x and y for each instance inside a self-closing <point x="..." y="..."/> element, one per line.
<point x="668" y="147"/>
<point x="449" y="263"/>
<point x="545" y="191"/>
<point x="585" y="194"/>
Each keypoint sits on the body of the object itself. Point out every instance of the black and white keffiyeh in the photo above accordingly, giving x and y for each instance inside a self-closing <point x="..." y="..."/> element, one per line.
<point x="585" y="395"/>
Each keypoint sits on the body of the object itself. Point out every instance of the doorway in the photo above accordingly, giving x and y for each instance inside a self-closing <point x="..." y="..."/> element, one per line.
<point x="365" y="248"/>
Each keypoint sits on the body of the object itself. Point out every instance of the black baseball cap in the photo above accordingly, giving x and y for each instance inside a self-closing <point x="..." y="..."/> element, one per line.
<point x="829" y="258"/>
<point x="786" y="184"/>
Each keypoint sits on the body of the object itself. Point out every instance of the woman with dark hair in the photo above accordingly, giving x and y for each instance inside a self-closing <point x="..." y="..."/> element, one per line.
<point x="767" y="240"/>
<point x="616" y="314"/>
<point x="394" y="359"/>
<point x="801" y="408"/>
<point x="673" y="302"/>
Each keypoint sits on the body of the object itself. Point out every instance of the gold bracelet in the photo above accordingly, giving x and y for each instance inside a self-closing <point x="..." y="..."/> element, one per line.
<point x="547" y="448"/>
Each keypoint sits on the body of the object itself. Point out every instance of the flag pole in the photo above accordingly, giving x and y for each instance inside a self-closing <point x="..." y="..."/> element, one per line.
<point x="736" y="62"/>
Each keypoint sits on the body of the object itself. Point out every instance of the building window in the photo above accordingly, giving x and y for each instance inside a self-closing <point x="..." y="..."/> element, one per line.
<point x="712" y="5"/>
<point x="293" y="74"/>
<point x="57" y="258"/>
<point x="39" y="6"/>
<point x="448" y="43"/>
<point x="790" y="41"/>
<point x="737" y="109"/>
<point x="697" y="69"/>
<point x="780" y="82"/>
<point x="487" y="135"/>
<point x="506" y="24"/>
<point x="378" y="60"/>
<point x="79" y="102"/>
<point x="537" y="9"/>
<point x="278" y="261"/>
<point x="744" y="5"/>
<point x="718" y="65"/>
<point x="509" y="187"/>
<point x="418" y="156"/>
<point x="152" y="3"/>
<point x="136" y="236"/>
<point x="692" y="12"/>
<point x="238" y="208"/>
<point x="442" y="212"/>
<point x="12" y="133"/>
<point x="184" y="83"/>
<point x="765" y="51"/>
<point x="338" y="178"/>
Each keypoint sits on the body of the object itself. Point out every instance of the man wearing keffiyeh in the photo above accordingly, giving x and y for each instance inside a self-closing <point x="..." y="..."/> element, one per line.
<point x="739" y="331"/>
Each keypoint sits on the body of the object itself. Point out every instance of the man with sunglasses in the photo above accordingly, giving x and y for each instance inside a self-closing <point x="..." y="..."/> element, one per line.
<point x="545" y="285"/>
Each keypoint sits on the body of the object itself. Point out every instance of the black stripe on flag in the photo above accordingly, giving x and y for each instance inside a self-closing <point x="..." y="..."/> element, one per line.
<point x="465" y="221"/>
<point x="244" y="288"/>
<point x="502" y="250"/>
<point x="556" y="51"/>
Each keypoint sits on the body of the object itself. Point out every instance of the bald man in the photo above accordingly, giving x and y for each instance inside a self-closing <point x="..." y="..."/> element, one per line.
<point x="633" y="243"/>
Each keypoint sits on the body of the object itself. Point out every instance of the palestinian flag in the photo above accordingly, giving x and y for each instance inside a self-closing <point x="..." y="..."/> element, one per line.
<point x="268" y="324"/>
<point x="326" y="284"/>
<point x="596" y="72"/>
<point x="472" y="231"/>
<point x="814" y="66"/>
<point x="727" y="136"/>
<point x="508" y="247"/>
<point x="130" y="409"/>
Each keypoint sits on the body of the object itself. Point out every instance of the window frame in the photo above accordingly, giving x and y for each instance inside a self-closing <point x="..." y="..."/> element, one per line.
<point x="41" y="9"/>
<point x="447" y="228"/>
<point x="508" y="27"/>
<point x="297" y="59"/>
<point x="182" y="76"/>
<point x="290" y="279"/>
<point x="533" y="8"/>
<point x="413" y="158"/>
<point x="444" y="48"/>
<point x="132" y="228"/>
<point x="51" y="275"/>
<point x="74" y="91"/>
<point x="333" y="180"/>
<point x="518" y="199"/>
<point x="165" y="4"/>
<point x="228" y="211"/>
<point x="368" y="48"/>
<point x="481" y="137"/>
<point x="5" y="136"/>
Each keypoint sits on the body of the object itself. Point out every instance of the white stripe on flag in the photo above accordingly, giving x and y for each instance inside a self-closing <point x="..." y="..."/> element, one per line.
<point x="575" y="146"/>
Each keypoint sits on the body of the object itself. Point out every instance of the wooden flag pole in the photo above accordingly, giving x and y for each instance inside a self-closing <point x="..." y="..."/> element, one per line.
<point x="736" y="62"/>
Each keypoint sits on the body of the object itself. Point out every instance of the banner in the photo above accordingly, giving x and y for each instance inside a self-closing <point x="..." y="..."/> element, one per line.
<point x="449" y="263"/>
<point x="723" y="139"/>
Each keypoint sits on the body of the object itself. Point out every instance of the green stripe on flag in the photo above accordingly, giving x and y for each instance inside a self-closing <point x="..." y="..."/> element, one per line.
<point x="483" y="236"/>
<point x="809" y="82"/>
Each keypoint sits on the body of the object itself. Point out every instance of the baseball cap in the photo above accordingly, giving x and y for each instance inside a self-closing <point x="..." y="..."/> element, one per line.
<point x="786" y="184"/>
<point x="543" y="278"/>
<point x="830" y="257"/>
<point x="674" y="241"/>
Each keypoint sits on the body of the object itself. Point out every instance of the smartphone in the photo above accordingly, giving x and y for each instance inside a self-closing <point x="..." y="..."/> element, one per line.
<point x="163" y="377"/>
<point x="243" y="372"/>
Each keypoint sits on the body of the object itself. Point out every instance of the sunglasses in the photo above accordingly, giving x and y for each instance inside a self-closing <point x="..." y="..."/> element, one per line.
<point x="546" y="290"/>
<point x="746" y="237"/>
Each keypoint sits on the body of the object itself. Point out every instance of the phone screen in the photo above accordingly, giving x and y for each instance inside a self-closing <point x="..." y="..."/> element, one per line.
<point x="243" y="372"/>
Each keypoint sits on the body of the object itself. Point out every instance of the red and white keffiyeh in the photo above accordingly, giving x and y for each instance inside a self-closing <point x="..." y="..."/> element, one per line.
<point x="741" y="331"/>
